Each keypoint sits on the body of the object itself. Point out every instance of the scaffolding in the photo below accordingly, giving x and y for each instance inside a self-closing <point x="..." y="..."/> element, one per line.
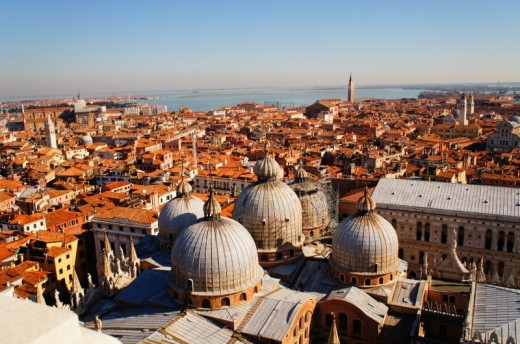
<point x="333" y="202"/>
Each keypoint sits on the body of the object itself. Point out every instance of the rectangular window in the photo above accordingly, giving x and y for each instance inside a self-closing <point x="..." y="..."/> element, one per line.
<point x="61" y="271"/>
<point x="68" y="267"/>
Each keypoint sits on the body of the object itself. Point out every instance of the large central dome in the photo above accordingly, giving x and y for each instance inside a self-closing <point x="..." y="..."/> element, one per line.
<point x="365" y="246"/>
<point x="219" y="256"/>
<point x="272" y="213"/>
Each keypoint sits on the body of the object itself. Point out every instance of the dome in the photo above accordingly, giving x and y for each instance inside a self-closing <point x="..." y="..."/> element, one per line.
<point x="87" y="139"/>
<point x="315" y="208"/>
<point x="271" y="212"/>
<point x="515" y="118"/>
<point x="179" y="213"/>
<point x="218" y="254"/>
<point x="365" y="242"/>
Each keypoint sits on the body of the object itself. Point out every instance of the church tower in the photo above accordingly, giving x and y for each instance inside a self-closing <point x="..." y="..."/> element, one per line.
<point x="50" y="133"/>
<point x="350" y="93"/>
<point x="471" y="104"/>
<point x="462" y="110"/>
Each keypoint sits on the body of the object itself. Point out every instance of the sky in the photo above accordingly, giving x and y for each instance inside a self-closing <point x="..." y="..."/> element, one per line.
<point x="60" y="47"/>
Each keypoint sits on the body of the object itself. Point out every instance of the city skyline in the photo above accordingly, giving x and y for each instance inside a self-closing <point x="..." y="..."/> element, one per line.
<point x="105" y="48"/>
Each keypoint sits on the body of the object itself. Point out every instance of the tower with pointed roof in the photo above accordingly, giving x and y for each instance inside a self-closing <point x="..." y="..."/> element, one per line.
<point x="350" y="93"/>
<point x="50" y="133"/>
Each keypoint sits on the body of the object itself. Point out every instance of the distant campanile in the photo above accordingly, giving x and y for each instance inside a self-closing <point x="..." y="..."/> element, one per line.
<point x="350" y="89"/>
<point x="50" y="133"/>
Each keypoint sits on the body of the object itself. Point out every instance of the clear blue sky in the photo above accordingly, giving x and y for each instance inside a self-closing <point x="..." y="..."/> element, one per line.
<point x="59" y="47"/>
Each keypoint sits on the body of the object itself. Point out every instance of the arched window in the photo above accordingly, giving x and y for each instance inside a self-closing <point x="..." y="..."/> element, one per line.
<point x="421" y="257"/>
<point x="444" y="234"/>
<point x="343" y="323"/>
<point x="419" y="231"/>
<point x="342" y="277"/>
<point x="353" y="280"/>
<point x="278" y="255"/>
<point x="391" y="277"/>
<point x="401" y="253"/>
<point x="256" y="290"/>
<point x="301" y="322"/>
<point x="307" y="317"/>
<point x="225" y="302"/>
<point x="328" y="320"/>
<point x="489" y="239"/>
<point x="510" y="241"/>
<point x="367" y="281"/>
<point x="427" y="232"/>
<point x="381" y="280"/>
<point x="356" y="327"/>
<point x="206" y="303"/>
<point x="501" y="240"/>
<point x="263" y="257"/>
<point x="460" y="239"/>
<point x="243" y="297"/>
<point x="394" y="223"/>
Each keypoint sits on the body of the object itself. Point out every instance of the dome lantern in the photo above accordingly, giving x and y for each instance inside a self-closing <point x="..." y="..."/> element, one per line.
<point x="266" y="168"/>
<point x="366" y="204"/>
<point x="212" y="207"/>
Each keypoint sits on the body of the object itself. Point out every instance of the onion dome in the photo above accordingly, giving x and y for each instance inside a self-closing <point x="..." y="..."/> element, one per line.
<point x="184" y="188"/>
<point x="218" y="254"/>
<point x="366" y="203"/>
<point x="211" y="207"/>
<point x="300" y="175"/>
<point x="266" y="168"/>
<point x="179" y="213"/>
<point x="365" y="242"/>
<point x="272" y="213"/>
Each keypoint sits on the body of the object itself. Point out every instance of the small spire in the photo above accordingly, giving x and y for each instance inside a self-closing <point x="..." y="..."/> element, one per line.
<point x="107" y="271"/>
<point x="108" y="248"/>
<point x="76" y="284"/>
<point x="212" y="207"/>
<point x="333" y="334"/>
<point x="133" y="254"/>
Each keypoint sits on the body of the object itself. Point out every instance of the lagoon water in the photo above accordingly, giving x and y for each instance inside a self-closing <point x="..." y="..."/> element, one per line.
<point x="215" y="98"/>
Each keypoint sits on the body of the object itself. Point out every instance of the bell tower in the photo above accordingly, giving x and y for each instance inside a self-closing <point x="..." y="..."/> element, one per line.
<point x="50" y="133"/>
<point x="350" y="94"/>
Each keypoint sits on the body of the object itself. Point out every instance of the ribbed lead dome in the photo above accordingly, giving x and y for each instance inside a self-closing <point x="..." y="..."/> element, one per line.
<point x="365" y="242"/>
<point x="219" y="255"/>
<point x="315" y="206"/>
<point x="179" y="213"/>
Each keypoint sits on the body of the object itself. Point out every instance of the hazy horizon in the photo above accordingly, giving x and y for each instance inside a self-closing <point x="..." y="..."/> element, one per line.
<point x="59" y="47"/>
